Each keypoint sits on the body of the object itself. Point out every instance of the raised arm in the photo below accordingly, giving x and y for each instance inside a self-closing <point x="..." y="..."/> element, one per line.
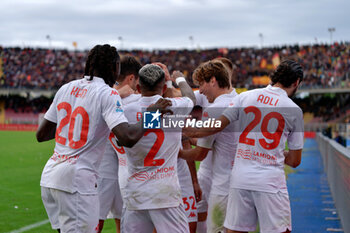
<point x="185" y="89"/>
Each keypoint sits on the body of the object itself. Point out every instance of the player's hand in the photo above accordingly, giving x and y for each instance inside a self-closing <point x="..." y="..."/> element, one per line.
<point x="161" y="105"/>
<point x="125" y="91"/>
<point x="176" y="74"/>
<point x="197" y="192"/>
<point x="165" y="69"/>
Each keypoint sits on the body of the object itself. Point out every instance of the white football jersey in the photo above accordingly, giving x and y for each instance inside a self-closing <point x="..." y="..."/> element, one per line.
<point x="223" y="145"/>
<point x="85" y="112"/>
<point x="152" y="162"/>
<point x="109" y="164"/>
<point x="206" y="165"/>
<point x="267" y="118"/>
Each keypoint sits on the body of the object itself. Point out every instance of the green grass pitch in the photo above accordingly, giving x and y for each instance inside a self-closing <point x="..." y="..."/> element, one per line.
<point x="22" y="161"/>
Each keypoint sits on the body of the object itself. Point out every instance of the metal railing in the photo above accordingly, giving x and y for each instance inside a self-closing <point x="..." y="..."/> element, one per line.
<point x="336" y="161"/>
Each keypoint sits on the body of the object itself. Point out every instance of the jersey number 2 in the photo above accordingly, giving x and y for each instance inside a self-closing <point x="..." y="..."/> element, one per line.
<point x="70" y="119"/>
<point x="149" y="159"/>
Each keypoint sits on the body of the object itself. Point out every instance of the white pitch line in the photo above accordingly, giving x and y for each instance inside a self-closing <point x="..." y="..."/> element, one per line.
<point x="29" y="227"/>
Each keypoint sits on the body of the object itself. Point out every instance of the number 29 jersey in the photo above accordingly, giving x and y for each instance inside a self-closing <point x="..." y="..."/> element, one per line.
<point x="268" y="118"/>
<point x="152" y="162"/>
<point x="85" y="112"/>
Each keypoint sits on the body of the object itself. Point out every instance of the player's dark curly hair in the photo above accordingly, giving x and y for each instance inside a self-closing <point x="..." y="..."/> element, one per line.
<point x="287" y="73"/>
<point x="129" y="65"/>
<point x="101" y="62"/>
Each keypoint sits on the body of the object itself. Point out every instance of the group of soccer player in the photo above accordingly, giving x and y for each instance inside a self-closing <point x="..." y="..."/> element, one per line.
<point x="107" y="164"/>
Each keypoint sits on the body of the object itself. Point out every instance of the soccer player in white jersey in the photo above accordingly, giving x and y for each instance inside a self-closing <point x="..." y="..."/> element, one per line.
<point x="108" y="183"/>
<point x="205" y="168"/>
<point x="153" y="195"/>
<point x="268" y="118"/>
<point x="214" y="82"/>
<point x="186" y="170"/>
<point x="80" y="118"/>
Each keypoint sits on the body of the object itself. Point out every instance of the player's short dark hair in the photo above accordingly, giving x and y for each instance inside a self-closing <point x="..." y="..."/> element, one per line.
<point x="287" y="73"/>
<point x="101" y="62"/>
<point x="150" y="76"/>
<point x="206" y="70"/>
<point x="129" y="65"/>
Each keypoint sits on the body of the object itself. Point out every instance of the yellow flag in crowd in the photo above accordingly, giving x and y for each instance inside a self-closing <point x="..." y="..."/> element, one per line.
<point x="263" y="63"/>
<point x="276" y="60"/>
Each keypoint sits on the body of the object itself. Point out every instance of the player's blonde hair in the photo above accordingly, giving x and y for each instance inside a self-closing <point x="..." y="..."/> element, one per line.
<point x="215" y="68"/>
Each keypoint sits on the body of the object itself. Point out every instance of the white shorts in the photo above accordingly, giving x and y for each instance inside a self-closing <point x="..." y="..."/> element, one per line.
<point x="245" y="207"/>
<point x="189" y="204"/>
<point x="217" y="205"/>
<point x="163" y="220"/>
<point x="110" y="198"/>
<point x="71" y="212"/>
<point x="204" y="181"/>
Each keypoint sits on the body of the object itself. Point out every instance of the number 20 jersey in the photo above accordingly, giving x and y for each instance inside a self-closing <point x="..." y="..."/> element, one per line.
<point x="152" y="162"/>
<point x="85" y="112"/>
<point x="268" y="118"/>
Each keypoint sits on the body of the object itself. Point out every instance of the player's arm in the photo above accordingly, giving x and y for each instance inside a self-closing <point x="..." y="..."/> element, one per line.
<point x="129" y="134"/>
<point x="185" y="89"/>
<point x="292" y="158"/>
<point x="295" y="141"/>
<point x="125" y="91"/>
<point x="192" y="167"/>
<point x="46" y="131"/>
<point x="195" y="154"/>
<point x="196" y="187"/>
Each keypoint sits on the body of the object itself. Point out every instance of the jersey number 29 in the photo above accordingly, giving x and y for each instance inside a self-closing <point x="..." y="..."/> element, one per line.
<point x="275" y="137"/>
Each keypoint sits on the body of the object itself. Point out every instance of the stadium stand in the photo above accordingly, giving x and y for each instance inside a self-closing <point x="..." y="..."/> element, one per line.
<point x="325" y="66"/>
<point x="30" y="76"/>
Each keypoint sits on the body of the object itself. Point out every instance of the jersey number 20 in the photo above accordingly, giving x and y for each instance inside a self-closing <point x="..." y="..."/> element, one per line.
<point x="70" y="119"/>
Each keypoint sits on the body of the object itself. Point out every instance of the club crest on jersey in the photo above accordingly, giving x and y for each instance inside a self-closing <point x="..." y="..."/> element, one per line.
<point x="151" y="120"/>
<point x="119" y="107"/>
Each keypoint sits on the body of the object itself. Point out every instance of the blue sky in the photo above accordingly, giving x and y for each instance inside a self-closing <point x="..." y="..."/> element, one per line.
<point x="150" y="24"/>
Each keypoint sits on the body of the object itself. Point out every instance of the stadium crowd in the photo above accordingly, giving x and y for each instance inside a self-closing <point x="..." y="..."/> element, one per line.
<point x="324" y="65"/>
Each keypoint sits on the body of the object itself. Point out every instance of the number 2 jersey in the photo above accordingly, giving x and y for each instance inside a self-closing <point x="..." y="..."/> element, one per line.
<point x="85" y="112"/>
<point x="152" y="162"/>
<point x="268" y="118"/>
